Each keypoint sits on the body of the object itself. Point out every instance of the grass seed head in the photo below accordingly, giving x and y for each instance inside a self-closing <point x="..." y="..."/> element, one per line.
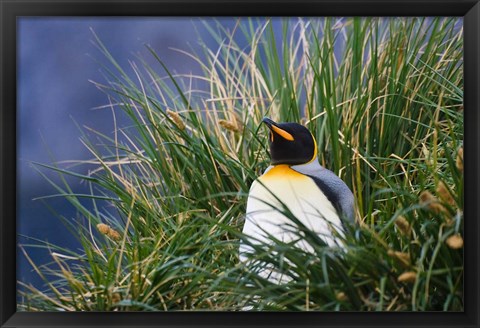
<point x="103" y="228"/>
<point x="431" y="202"/>
<point x="403" y="226"/>
<point x="116" y="297"/>
<point x="341" y="296"/>
<point x="426" y="197"/>
<point x="228" y="125"/>
<point x="407" y="276"/>
<point x="176" y="119"/>
<point x="455" y="241"/>
<point x="444" y="194"/>
<point x="108" y="231"/>
<point x="114" y="234"/>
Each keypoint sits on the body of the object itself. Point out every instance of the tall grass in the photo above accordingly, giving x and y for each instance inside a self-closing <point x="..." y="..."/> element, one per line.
<point x="161" y="226"/>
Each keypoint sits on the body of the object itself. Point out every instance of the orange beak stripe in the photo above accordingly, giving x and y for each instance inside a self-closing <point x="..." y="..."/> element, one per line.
<point x="284" y="134"/>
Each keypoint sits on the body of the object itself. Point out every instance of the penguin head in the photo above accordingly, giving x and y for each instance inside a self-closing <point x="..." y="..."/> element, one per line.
<point x="290" y="143"/>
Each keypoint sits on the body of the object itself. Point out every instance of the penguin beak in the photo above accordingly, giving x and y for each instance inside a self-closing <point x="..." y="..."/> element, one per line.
<point x="275" y="128"/>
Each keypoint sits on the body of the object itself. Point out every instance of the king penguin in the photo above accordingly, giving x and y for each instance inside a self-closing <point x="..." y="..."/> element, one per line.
<point x="295" y="180"/>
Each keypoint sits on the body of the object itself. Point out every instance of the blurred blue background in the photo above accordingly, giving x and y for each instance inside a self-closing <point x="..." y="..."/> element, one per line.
<point x="56" y="59"/>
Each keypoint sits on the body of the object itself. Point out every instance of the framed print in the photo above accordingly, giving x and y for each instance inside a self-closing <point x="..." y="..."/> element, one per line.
<point x="225" y="163"/>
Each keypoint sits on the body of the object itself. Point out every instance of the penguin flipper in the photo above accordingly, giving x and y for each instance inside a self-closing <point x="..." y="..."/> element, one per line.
<point x="336" y="191"/>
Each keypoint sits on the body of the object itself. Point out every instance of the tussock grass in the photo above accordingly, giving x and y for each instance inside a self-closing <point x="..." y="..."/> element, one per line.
<point x="161" y="226"/>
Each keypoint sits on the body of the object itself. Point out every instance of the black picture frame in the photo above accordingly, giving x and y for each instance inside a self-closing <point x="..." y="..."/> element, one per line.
<point x="10" y="10"/>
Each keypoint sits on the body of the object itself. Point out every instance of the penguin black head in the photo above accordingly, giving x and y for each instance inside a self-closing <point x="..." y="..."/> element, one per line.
<point x="290" y="143"/>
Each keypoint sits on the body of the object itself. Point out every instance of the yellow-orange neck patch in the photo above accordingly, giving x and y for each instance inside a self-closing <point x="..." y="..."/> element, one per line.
<point x="282" y="170"/>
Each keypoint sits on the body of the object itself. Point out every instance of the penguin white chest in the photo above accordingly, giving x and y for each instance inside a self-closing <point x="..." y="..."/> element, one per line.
<point x="283" y="189"/>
